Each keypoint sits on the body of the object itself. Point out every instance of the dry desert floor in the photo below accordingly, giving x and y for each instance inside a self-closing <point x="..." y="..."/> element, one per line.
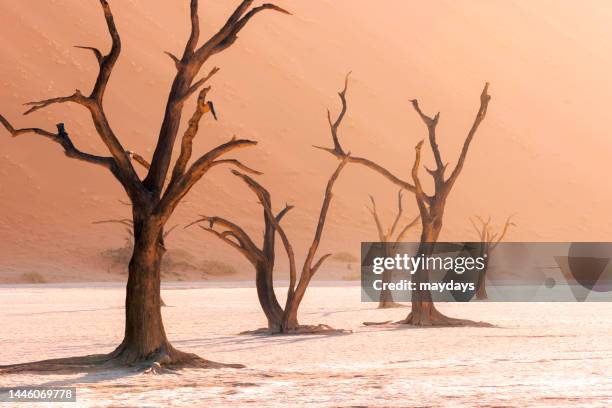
<point x="554" y="354"/>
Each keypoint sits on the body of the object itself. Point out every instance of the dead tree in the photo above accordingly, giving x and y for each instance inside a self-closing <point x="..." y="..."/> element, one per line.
<point x="280" y="320"/>
<point x="153" y="200"/>
<point x="488" y="239"/>
<point x="386" y="296"/>
<point x="431" y="207"/>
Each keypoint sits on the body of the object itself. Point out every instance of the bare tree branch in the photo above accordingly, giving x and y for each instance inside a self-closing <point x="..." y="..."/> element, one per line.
<point x="400" y="236"/>
<point x="418" y="191"/>
<point x="374" y="212"/>
<point x="95" y="51"/>
<point x="400" y="210"/>
<point x="62" y="138"/>
<point x="507" y="225"/>
<point x="108" y="62"/>
<point x="177" y="62"/>
<point x="138" y="159"/>
<point x="340" y="153"/>
<point x="169" y="231"/>
<point x="197" y="85"/>
<point x="283" y="212"/>
<point x="123" y="221"/>
<point x="265" y="200"/>
<point x="431" y="124"/>
<point x="318" y="264"/>
<point x="122" y="167"/>
<point x="76" y="97"/>
<point x="194" y="36"/>
<point x="183" y="86"/>
<point x="323" y="214"/>
<point x="237" y="164"/>
<point x="191" y="132"/>
<point x="482" y="112"/>
<point x="177" y="190"/>
<point x="334" y="126"/>
<point x="244" y="242"/>
<point x="231" y="33"/>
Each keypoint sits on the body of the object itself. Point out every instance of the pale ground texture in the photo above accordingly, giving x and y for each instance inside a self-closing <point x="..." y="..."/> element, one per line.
<point x="539" y="355"/>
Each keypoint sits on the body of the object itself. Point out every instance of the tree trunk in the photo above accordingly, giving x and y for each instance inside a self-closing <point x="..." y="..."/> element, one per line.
<point x="386" y="296"/>
<point x="145" y="340"/>
<point x="424" y="312"/>
<point x="267" y="298"/>
<point x="481" y="288"/>
<point x="481" y="292"/>
<point x="290" y="320"/>
<point x="145" y="336"/>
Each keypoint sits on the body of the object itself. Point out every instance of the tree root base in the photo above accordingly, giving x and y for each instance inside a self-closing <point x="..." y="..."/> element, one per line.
<point x="432" y="319"/>
<point x="301" y="329"/>
<point x="166" y="360"/>
<point x="391" y="305"/>
<point x="439" y="320"/>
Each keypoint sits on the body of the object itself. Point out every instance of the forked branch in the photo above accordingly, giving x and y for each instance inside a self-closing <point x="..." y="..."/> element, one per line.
<point x="486" y="233"/>
<point x="388" y="236"/>
<point x="121" y="167"/>
<point x="203" y="106"/>
<point x="480" y="115"/>
<point x="229" y="33"/>
<point x="177" y="190"/>
<point x="432" y="124"/>
<point x="381" y="234"/>
<point x="231" y="234"/>
<point x="183" y="85"/>
<point x="266" y="201"/>
<point x="308" y="268"/>
<point x="338" y="151"/>
<point x="62" y="138"/>
<point x="418" y="191"/>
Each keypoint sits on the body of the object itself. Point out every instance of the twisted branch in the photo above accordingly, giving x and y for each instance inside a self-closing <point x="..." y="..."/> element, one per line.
<point x="243" y="242"/>
<point x="379" y="228"/>
<point x="338" y="152"/>
<point x="62" y="138"/>
<point x="183" y="85"/>
<point x="177" y="190"/>
<point x="480" y="115"/>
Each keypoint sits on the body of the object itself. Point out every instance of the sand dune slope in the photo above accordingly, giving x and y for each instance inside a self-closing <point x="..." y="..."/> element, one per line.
<point x="542" y="152"/>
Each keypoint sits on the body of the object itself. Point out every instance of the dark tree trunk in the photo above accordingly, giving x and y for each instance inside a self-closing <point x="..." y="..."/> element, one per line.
<point x="267" y="297"/>
<point x="145" y="343"/>
<point x="144" y="329"/>
<point x="424" y="312"/>
<point x="290" y="321"/>
<point x="386" y="296"/>
<point x="481" y="292"/>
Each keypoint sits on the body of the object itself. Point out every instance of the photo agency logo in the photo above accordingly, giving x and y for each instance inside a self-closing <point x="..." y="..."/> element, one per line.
<point x="463" y="272"/>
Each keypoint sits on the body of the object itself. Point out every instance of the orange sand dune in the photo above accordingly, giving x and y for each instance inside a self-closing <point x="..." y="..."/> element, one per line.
<point x="543" y="151"/>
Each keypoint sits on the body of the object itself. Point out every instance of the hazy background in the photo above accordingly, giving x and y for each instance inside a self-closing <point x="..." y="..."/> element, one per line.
<point x="542" y="153"/>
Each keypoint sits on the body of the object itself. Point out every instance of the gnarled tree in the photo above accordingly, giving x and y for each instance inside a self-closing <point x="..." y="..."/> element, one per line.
<point x="488" y="239"/>
<point x="431" y="207"/>
<point x="386" y="296"/>
<point x="280" y="320"/>
<point x="154" y="197"/>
